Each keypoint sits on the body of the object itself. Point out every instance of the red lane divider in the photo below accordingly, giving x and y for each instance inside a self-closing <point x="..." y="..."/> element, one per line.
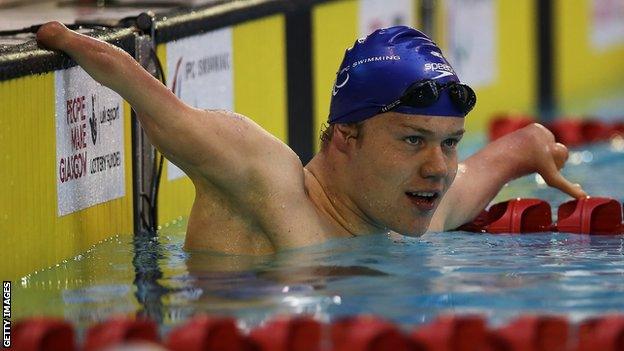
<point x="43" y="333"/>
<point x="532" y="333"/>
<point x="119" y="330"/>
<point x="288" y="334"/>
<point x="595" y="130"/>
<point x="591" y="216"/>
<point x="478" y="224"/>
<point x="452" y="333"/>
<point x="603" y="333"/>
<point x="367" y="333"/>
<point x="520" y="216"/>
<point x="571" y="131"/>
<point x="567" y="131"/>
<point x="357" y="333"/>
<point x="208" y="333"/>
<point x="505" y="124"/>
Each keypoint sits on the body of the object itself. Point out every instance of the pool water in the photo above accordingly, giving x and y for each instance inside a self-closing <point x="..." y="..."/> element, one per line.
<point x="407" y="280"/>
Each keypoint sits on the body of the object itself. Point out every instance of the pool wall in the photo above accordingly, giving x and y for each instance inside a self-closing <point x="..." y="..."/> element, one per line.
<point x="588" y="56"/>
<point x="513" y="82"/>
<point x="34" y="235"/>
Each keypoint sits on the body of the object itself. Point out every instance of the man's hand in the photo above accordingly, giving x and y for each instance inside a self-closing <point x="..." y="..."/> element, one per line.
<point x="538" y="152"/>
<point x="531" y="149"/>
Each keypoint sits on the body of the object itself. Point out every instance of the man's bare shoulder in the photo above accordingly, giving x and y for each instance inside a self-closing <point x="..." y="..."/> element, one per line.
<point x="264" y="210"/>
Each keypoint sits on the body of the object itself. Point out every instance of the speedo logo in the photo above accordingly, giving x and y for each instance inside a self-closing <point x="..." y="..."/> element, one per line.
<point x="443" y="69"/>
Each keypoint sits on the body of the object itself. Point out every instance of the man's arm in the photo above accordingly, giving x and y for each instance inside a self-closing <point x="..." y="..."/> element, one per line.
<point x="219" y="146"/>
<point x="480" y="177"/>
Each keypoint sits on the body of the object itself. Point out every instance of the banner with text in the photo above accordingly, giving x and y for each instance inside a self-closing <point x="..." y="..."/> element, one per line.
<point x="607" y="24"/>
<point x="375" y="14"/>
<point x="89" y="142"/>
<point x="200" y="72"/>
<point x="472" y="36"/>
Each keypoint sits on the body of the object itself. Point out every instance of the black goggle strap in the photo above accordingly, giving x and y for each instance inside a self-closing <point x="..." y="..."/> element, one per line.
<point x="390" y="106"/>
<point x="413" y="89"/>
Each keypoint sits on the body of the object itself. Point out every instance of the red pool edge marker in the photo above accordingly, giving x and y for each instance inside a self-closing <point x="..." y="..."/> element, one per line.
<point x="298" y="333"/>
<point x="604" y="333"/>
<point x="119" y="330"/>
<point x="590" y="215"/>
<point x="520" y="216"/>
<point x="368" y="333"/>
<point x="452" y="333"/>
<point x="43" y="333"/>
<point x="207" y="333"/>
<point x="531" y="333"/>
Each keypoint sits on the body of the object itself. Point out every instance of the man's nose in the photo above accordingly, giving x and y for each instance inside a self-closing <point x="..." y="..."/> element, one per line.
<point x="434" y="165"/>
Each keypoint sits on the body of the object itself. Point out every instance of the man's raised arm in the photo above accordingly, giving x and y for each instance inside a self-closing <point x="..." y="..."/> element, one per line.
<point x="481" y="176"/>
<point x="216" y="144"/>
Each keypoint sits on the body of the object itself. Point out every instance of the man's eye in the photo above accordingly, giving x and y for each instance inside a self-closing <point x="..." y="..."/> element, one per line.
<point x="451" y="143"/>
<point x="414" y="140"/>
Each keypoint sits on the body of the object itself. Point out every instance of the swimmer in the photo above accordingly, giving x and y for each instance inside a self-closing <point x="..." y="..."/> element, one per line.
<point x="388" y="161"/>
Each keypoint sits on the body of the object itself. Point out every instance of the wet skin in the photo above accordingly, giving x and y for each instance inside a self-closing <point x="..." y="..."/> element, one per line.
<point x="373" y="172"/>
<point x="253" y="195"/>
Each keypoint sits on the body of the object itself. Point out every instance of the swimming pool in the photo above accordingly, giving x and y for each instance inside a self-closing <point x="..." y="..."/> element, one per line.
<point x="407" y="280"/>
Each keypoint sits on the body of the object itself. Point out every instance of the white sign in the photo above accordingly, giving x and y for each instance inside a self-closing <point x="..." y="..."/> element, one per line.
<point x="607" y="24"/>
<point x="375" y="14"/>
<point x="200" y="72"/>
<point x="89" y="142"/>
<point x="472" y="40"/>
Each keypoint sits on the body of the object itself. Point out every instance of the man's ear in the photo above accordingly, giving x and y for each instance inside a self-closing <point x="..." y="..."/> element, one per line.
<point x="345" y="135"/>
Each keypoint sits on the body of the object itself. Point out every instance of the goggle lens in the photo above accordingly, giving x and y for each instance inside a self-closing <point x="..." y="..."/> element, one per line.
<point x="426" y="93"/>
<point x="422" y="94"/>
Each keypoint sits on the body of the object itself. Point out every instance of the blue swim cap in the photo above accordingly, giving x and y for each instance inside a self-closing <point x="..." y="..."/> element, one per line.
<point x="379" y="68"/>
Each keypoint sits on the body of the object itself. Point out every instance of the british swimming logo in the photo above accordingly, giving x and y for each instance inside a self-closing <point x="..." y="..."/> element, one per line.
<point x="344" y="79"/>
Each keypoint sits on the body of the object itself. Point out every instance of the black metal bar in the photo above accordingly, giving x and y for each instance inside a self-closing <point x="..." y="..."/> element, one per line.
<point x="184" y="22"/>
<point x="28" y="59"/>
<point x="300" y="82"/>
<point x="546" y="95"/>
<point x="427" y="18"/>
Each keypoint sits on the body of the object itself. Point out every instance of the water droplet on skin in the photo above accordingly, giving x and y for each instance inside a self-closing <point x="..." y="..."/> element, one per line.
<point x="461" y="168"/>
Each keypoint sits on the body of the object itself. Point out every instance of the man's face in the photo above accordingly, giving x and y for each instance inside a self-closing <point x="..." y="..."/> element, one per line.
<point x="401" y="166"/>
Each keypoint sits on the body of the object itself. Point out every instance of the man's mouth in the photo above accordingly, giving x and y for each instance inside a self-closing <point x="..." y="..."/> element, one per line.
<point x="424" y="200"/>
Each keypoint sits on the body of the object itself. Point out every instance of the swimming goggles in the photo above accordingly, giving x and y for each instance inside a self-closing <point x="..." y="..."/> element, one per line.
<point x="426" y="93"/>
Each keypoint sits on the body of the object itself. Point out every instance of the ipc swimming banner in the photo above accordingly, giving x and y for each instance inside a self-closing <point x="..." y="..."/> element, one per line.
<point x="200" y="73"/>
<point x="89" y="142"/>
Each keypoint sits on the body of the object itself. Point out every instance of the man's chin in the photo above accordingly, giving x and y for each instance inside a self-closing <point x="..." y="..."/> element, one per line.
<point x="415" y="233"/>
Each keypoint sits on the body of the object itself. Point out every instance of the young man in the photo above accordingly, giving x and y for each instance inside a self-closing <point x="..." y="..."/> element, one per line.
<point x="388" y="161"/>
